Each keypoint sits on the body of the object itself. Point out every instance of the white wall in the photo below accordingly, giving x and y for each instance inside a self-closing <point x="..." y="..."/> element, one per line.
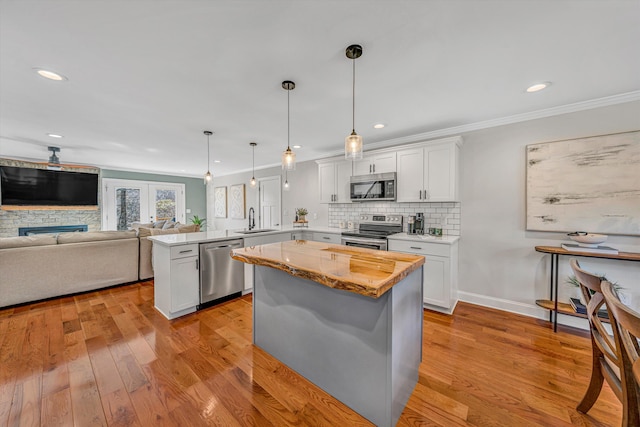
<point x="303" y="193"/>
<point x="498" y="264"/>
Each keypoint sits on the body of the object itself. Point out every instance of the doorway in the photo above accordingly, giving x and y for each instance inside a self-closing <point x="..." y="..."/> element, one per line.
<point x="127" y="201"/>
<point x="269" y="202"/>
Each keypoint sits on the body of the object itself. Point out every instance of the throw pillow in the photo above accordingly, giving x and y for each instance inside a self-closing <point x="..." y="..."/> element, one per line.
<point x="137" y="225"/>
<point x="168" y="224"/>
<point x="159" y="224"/>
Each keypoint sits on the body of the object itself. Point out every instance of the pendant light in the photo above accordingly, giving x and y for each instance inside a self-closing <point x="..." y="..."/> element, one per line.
<point x="286" y="185"/>
<point x="208" y="176"/>
<point x="353" y="142"/>
<point x="253" y="167"/>
<point x="288" y="157"/>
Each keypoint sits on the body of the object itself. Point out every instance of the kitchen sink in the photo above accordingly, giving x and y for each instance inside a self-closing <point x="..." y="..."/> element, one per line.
<point x="260" y="230"/>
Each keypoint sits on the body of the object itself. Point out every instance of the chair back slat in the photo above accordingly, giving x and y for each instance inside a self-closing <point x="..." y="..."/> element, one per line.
<point x="627" y="323"/>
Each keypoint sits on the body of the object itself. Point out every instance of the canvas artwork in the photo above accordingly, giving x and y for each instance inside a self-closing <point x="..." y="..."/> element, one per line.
<point x="587" y="184"/>
<point x="220" y="202"/>
<point x="236" y="201"/>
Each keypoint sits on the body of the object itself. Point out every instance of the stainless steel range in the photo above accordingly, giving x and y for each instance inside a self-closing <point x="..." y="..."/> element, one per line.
<point x="373" y="231"/>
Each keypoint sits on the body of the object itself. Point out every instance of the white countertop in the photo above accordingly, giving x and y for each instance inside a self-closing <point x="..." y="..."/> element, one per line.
<point x="218" y="235"/>
<point x="444" y="240"/>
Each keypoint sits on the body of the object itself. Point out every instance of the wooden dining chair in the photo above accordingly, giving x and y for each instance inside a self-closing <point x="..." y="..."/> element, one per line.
<point x="605" y="364"/>
<point x="626" y="331"/>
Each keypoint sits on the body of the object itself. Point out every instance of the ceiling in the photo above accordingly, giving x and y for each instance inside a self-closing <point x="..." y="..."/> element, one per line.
<point x="146" y="78"/>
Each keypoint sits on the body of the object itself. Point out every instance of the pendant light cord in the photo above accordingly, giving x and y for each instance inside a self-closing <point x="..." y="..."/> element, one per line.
<point x="288" y="120"/>
<point x="208" y="155"/>
<point x="253" y="161"/>
<point x="353" y="98"/>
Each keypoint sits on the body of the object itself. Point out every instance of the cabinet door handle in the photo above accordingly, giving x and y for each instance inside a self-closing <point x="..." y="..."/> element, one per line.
<point x="186" y="252"/>
<point x="415" y="247"/>
<point x="374" y="168"/>
<point x="326" y="238"/>
<point x="197" y="264"/>
<point x="426" y="195"/>
<point x="420" y="194"/>
<point x="369" y="168"/>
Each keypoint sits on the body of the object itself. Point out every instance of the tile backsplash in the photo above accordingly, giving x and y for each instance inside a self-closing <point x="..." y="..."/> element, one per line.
<point x="447" y="214"/>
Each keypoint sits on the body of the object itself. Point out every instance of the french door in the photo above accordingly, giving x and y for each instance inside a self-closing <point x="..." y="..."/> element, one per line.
<point x="128" y="201"/>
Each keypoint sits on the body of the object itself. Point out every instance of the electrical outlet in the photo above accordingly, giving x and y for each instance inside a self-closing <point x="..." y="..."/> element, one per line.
<point x="315" y="215"/>
<point x="188" y="210"/>
<point x="286" y="212"/>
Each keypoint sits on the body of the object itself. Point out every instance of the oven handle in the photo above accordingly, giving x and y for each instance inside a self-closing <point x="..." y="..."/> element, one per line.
<point x="381" y="242"/>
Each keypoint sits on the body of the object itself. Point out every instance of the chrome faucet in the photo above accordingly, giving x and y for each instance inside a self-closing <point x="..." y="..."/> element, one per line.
<point x="252" y="221"/>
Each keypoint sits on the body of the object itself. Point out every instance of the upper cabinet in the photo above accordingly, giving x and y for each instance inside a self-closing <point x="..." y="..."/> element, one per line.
<point x="334" y="176"/>
<point x="429" y="173"/>
<point x="425" y="172"/>
<point x="375" y="163"/>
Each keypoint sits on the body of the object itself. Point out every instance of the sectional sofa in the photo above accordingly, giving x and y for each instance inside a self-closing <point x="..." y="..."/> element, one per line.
<point x="44" y="266"/>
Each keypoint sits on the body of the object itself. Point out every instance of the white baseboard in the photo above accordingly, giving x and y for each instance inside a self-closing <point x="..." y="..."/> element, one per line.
<point x="530" y="310"/>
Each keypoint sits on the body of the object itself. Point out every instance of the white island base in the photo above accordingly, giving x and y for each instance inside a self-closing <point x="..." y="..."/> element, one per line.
<point x="363" y="351"/>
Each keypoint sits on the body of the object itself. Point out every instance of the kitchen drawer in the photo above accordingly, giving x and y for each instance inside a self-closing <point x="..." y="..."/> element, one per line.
<point x="327" y="238"/>
<point x="183" y="251"/>
<point x="421" y="248"/>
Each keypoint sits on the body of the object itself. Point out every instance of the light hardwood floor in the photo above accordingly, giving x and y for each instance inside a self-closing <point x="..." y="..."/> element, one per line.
<point x="108" y="358"/>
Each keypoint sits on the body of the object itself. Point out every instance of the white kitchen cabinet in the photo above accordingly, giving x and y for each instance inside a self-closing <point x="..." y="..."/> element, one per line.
<point x="334" y="177"/>
<point x="260" y="240"/>
<point x="301" y="235"/>
<point x="375" y="163"/>
<point x="327" y="238"/>
<point x="429" y="173"/>
<point x="177" y="279"/>
<point x="440" y="277"/>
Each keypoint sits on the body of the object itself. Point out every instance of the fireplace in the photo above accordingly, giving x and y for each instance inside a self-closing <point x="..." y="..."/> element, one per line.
<point x="29" y="231"/>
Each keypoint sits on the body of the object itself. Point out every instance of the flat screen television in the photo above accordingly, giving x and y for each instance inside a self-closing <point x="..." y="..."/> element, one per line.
<point x="43" y="187"/>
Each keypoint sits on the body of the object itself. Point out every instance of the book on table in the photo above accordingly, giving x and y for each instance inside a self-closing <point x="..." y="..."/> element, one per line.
<point x="573" y="247"/>
<point x="580" y="308"/>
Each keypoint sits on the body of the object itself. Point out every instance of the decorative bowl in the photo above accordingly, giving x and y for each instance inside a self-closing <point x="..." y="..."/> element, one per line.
<point x="587" y="240"/>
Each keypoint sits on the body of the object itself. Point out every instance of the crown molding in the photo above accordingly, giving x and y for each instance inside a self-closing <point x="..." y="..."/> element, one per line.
<point x="517" y="118"/>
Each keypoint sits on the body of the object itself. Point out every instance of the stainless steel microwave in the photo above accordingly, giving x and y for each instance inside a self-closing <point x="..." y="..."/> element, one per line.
<point x="371" y="188"/>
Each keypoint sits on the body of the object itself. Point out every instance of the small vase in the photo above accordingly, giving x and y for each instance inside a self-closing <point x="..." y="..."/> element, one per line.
<point x="302" y="218"/>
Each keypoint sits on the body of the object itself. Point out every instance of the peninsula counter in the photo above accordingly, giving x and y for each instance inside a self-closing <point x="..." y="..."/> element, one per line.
<point x="347" y="319"/>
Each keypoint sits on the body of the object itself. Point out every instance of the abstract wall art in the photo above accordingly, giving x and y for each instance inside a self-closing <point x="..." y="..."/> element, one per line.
<point x="588" y="184"/>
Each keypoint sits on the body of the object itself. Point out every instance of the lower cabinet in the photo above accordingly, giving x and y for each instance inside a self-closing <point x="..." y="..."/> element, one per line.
<point x="440" y="278"/>
<point x="327" y="238"/>
<point x="177" y="279"/>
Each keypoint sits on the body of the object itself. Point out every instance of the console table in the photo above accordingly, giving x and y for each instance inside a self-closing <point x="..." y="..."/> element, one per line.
<point x="552" y="304"/>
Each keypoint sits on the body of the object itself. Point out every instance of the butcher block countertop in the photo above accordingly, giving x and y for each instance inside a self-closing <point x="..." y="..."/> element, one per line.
<point x="363" y="271"/>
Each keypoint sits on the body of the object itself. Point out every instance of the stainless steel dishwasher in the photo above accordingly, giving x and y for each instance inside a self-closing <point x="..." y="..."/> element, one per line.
<point x="220" y="275"/>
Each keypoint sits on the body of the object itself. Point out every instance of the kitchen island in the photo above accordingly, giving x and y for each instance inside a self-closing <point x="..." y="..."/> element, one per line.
<point x="347" y="319"/>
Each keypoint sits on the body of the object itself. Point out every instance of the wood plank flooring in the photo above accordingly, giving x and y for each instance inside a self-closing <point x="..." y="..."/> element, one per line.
<point x="108" y="358"/>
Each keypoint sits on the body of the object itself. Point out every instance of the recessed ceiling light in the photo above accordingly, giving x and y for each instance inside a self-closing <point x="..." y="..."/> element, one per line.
<point x="297" y="146"/>
<point x="378" y="126"/>
<point x="48" y="74"/>
<point x="538" y="86"/>
<point x="53" y="135"/>
<point x="216" y="161"/>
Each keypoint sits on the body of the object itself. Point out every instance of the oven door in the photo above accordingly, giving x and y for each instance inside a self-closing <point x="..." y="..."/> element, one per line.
<point x="364" y="242"/>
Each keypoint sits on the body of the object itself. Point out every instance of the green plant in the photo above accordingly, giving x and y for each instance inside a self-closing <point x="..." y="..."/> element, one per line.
<point x="573" y="281"/>
<point x="198" y="221"/>
<point x="302" y="212"/>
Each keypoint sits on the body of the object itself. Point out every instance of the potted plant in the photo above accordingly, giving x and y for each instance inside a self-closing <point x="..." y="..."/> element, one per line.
<point x="302" y="214"/>
<point x="573" y="281"/>
<point x="199" y="222"/>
